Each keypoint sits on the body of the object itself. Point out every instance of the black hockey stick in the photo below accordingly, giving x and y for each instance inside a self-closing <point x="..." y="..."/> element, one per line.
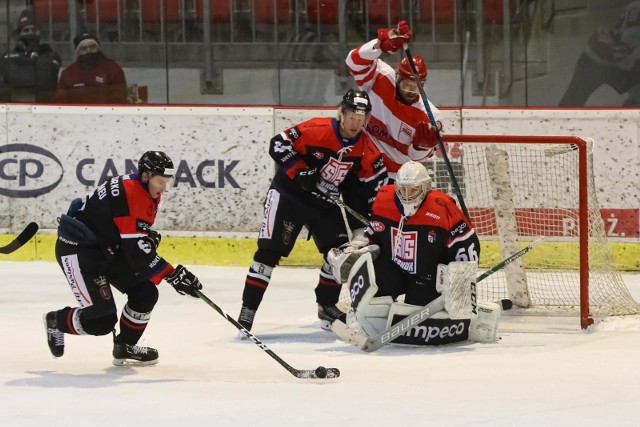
<point x="425" y="101"/>
<point x="418" y="316"/>
<point x="502" y="264"/>
<point x="30" y="230"/>
<point x="319" y="372"/>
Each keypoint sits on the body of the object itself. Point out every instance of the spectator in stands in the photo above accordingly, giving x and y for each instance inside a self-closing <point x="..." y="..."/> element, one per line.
<point x="92" y="78"/>
<point x="29" y="72"/>
<point x="612" y="57"/>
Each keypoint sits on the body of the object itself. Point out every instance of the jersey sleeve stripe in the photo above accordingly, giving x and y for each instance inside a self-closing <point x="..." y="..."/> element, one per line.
<point x="462" y="238"/>
<point x="133" y="235"/>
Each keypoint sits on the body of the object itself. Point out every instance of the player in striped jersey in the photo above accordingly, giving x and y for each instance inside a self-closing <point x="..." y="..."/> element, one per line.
<point x="399" y="124"/>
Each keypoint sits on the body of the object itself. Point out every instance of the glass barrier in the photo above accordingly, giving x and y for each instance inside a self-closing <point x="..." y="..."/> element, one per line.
<point x="570" y="53"/>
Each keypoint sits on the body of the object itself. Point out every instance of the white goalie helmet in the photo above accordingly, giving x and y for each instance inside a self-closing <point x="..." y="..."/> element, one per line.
<point x="413" y="183"/>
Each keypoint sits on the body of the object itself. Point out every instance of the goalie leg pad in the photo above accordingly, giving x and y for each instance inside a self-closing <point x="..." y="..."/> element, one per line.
<point x="372" y="318"/>
<point x="369" y="312"/>
<point x="484" y="328"/>
<point x="439" y="329"/>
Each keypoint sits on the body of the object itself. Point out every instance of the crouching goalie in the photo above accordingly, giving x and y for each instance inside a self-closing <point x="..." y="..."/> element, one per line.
<point x="420" y="245"/>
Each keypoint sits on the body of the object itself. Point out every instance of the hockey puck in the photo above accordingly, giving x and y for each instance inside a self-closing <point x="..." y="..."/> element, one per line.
<point x="321" y="372"/>
<point x="506" y="304"/>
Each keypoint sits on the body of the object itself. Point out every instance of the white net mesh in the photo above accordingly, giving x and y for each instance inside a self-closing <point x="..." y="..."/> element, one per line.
<point x="516" y="191"/>
<point x="543" y="180"/>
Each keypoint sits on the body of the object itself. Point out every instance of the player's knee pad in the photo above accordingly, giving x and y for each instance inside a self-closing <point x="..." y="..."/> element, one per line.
<point x="439" y="329"/>
<point x="368" y="313"/>
<point x="484" y="327"/>
<point x="143" y="297"/>
<point x="102" y="325"/>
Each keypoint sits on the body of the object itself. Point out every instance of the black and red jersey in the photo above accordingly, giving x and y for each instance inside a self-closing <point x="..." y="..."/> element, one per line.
<point x="436" y="234"/>
<point x="317" y="143"/>
<point x="120" y="211"/>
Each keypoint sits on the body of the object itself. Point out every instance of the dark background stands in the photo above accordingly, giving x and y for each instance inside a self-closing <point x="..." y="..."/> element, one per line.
<point x="29" y="72"/>
<point x="92" y="78"/>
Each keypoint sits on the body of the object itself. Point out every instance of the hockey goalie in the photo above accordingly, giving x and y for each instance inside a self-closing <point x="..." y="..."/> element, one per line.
<point x="418" y="247"/>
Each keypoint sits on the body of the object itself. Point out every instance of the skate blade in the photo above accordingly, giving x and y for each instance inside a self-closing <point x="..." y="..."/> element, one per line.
<point x="131" y="362"/>
<point x="325" y="325"/>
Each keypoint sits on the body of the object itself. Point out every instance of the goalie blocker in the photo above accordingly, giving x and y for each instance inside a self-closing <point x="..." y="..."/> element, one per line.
<point x="462" y="319"/>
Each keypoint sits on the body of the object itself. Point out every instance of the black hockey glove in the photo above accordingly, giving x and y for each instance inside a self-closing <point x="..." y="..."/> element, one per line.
<point x="184" y="281"/>
<point x="149" y="243"/>
<point x="307" y="179"/>
<point x="322" y="193"/>
<point x="153" y="238"/>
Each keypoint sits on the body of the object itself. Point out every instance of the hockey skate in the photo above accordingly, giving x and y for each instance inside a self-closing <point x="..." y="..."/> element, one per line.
<point x="328" y="313"/>
<point x="246" y="320"/>
<point x="246" y="317"/>
<point x="55" y="337"/>
<point x="133" y="355"/>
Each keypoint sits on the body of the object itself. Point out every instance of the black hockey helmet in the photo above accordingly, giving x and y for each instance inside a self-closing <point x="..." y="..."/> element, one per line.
<point x="156" y="162"/>
<point x="356" y="100"/>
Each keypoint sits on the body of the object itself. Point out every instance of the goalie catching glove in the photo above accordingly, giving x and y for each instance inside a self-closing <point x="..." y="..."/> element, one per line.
<point x="343" y="258"/>
<point x="184" y="281"/>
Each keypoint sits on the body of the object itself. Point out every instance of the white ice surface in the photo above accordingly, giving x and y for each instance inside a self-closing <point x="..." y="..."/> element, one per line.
<point x="543" y="372"/>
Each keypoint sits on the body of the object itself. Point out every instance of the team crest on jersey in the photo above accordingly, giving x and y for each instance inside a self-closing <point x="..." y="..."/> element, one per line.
<point x="405" y="133"/>
<point x="334" y="172"/>
<point x="377" y="226"/>
<point x="286" y="233"/>
<point x="405" y="249"/>
<point x="318" y="155"/>
<point x="431" y="236"/>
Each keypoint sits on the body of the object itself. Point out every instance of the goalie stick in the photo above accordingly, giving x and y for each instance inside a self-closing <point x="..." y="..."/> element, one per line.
<point x="319" y="372"/>
<point x="370" y="344"/>
<point x="30" y="230"/>
<point x="425" y="102"/>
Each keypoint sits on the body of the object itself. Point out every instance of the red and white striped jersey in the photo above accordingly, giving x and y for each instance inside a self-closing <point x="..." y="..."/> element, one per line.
<point x="393" y="123"/>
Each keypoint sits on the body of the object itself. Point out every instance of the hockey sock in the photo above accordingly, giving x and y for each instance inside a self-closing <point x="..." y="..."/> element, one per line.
<point x="256" y="284"/>
<point x="328" y="289"/>
<point x="132" y="325"/>
<point x="68" y="321"/>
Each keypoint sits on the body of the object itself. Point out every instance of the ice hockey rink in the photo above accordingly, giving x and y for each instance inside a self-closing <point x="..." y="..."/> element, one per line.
<point x="543" y="371"/>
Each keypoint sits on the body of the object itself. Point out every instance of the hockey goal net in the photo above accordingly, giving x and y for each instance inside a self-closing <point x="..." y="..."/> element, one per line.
<point x="520" y="188"/>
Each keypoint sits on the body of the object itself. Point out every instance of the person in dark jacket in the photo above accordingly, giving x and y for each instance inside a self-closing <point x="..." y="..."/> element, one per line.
<point x="92" y="78"/>
<point x="29" y="72"/>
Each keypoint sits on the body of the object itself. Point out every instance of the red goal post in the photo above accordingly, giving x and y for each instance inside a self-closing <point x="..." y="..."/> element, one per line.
<point x="518" y="188"/>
